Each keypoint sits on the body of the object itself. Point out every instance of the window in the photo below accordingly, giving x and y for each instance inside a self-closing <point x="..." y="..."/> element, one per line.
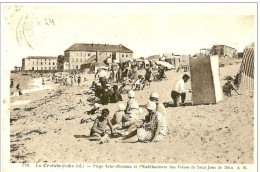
<point x="53" y="68"/>
<point x="37" y="63"/>
<point x="41" y="68"/>
<point x="49" y="68"/>
<point x="45" y="68"/>
<point x="76" y="60"/>
<point x="45" y="59"/>
<point x="32" y="68"/>
<point x="41" y="63"/>
<point x="76" y="54"/>
<point x="76" y="66"/>
<point x="80" y="54"/>
<point x="80" y="60"/>
<point x="37" y="67"/>
<point x="126" y="55"/>
<point x="49" y="63"/>
<point x="72" y="60"/>
<point x="33" y="62"/>
<point x="84" y="54"/>
<point x="45" y="62"/>
<point x="122" y="55"/>
<point x="88" y="54"/>
<point x="53" y="63"/>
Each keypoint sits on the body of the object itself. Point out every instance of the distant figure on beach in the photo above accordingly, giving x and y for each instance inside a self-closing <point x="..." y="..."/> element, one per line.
<point x="18" y="86"/>
<point x="19" y="89"/>
<point x="148" y="77"/>
<point x="79" y="80"/>
<point x="154" y="128"/>
<point x="179" y="91"/>
<point x="43" y="83"/>
<point x="71" y="80"/>
<point x="12" y="83"/>
<point x="99" y="128"/>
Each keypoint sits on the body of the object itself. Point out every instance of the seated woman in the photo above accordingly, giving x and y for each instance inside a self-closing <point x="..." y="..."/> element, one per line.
<point x="154" y="128"/>
<point x="122" y="89"/>
<point x="98" y="130"/>
<point x="137" y="83"/>
<point x="106" y="95"/>
<point x="161" y="74"/>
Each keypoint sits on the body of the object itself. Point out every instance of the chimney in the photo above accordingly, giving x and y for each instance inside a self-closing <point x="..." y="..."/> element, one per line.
<point x="97" y="56"/>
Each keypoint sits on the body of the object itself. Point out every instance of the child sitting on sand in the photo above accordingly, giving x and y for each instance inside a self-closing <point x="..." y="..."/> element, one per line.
<point x="98" y="131"/>
<point x="118" y="116"/>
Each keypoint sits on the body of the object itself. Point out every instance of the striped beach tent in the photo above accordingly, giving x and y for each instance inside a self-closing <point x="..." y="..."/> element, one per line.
<point x="245" y="76"/>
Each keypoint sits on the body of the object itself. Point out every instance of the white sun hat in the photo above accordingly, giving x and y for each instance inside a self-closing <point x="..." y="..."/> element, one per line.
<point x="154" y="95"/>
<point x="131" y="93"/>
<point x="151" y="105"/>
<point x="121" y="106"/>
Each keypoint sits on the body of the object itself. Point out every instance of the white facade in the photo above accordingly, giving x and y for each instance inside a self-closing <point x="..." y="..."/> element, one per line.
<point x="39" y="63"/>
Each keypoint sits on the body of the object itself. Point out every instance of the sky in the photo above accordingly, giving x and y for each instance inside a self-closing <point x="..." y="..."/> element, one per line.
<point x="146" y="29"/>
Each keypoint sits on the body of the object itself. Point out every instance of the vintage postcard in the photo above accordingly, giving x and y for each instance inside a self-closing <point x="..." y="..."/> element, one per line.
<point x="129" y="86"/>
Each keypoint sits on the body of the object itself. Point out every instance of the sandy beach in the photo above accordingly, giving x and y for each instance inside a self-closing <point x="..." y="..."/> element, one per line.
<point x="43" y="129"/>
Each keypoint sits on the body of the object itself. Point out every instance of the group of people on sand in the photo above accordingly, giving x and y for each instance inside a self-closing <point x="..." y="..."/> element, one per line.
<point x="126" y="122"/>
<point x="68" y="79"/>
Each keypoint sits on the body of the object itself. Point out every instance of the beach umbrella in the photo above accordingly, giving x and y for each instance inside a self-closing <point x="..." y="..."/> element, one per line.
<point x="165" y="64"/>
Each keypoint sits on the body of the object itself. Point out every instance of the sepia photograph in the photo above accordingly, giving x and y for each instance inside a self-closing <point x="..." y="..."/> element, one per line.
<point x="129" y="83"/>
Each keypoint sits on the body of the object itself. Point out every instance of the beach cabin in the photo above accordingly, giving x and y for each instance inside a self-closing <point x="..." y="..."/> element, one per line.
<point x="205" y="81"/>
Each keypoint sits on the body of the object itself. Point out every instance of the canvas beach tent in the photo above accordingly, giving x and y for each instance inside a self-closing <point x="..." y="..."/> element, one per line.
<point x="205" y="80"/>
<point x="245" y="77"/>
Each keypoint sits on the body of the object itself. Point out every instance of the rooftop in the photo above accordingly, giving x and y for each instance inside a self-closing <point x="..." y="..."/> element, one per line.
<point x="99" y="47"/>
<point x="223" y="45"/>
<point x="41" y="57"/>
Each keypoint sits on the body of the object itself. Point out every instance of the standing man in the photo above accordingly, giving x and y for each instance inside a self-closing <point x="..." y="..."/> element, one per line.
<point x="179" y="91"/>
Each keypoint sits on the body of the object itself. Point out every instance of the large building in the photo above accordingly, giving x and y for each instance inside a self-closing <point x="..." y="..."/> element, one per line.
<point x="223" y="51"/>
<point x="78" y="54"/>
<point x="39" y="63"/>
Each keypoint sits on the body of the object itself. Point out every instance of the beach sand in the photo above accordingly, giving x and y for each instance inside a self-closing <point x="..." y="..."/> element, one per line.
<point x="43" y="130"/>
